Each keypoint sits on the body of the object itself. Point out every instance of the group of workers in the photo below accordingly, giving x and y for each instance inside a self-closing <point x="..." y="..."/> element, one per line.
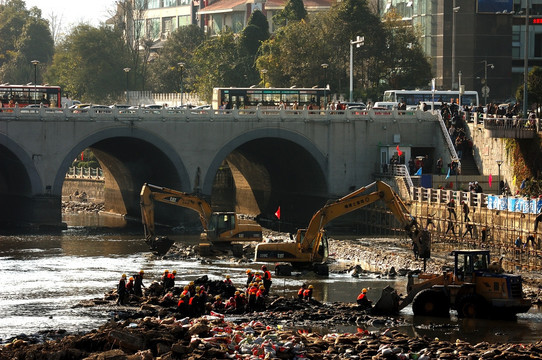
<point x="195" y="301"/>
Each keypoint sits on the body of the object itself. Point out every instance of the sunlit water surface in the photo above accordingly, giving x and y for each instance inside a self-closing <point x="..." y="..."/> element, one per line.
<point x="44" y="277"/>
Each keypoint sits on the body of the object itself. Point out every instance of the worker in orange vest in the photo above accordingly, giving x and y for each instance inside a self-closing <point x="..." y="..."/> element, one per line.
<point x="266" y="279"/>
<point x="362" y="300"/>
<point x="307" y="294"/>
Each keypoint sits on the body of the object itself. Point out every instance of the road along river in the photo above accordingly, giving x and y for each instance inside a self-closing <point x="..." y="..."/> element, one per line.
<point x="44" y="277"/>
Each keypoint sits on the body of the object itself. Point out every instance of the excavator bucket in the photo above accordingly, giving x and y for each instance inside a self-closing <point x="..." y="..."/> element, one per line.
<point x="388" y="304"/>
<point x="159" y="245"/>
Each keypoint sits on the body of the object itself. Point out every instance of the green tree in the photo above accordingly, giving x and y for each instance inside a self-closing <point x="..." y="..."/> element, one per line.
<point x="25" y="37"/>
<point x="294" y="10"/>
<point x="89" y="64"/>
<point x="534" y="89"/>
<point x="180" y="47"/>
<point x="217" y="59"/>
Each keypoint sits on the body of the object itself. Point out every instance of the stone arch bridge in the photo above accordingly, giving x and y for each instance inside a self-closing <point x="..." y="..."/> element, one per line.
<point x="293" y="159"/>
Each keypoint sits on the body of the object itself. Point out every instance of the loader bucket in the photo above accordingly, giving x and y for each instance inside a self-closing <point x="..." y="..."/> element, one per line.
<point x="388" y="304"/>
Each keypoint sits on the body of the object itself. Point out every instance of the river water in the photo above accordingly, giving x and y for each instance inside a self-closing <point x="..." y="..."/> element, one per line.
<point x="44" y="277"/>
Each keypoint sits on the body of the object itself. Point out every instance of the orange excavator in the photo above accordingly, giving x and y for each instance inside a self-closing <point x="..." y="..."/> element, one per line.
<point x="310" y="248"/>
<point x="219" y="228"/>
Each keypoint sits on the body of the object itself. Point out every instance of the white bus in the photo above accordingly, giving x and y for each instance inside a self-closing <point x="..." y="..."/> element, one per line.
<point x="414" y="98"/>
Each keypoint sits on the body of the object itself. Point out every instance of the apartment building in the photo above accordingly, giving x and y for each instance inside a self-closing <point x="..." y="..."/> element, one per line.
<point x="483" y="41"/>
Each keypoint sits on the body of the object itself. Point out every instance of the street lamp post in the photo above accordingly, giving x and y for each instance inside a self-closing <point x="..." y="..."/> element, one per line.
<point x="360" y="40"/>
<point x="455" y="9"/>
<point x="264" y="71"/>
<point x="325" y="66"/>
<point x="485" y="89"/>
<point x="181" y="66"/>
<point x="35" y="63"/>
<point x="499" y="163"/>
<point x="127" y="70"/>
<point x="460" y="93"/>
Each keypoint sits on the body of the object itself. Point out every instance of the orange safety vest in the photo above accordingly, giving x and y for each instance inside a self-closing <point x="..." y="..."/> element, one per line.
<point x="361" y="296"/>
<point x="267" y="275"/>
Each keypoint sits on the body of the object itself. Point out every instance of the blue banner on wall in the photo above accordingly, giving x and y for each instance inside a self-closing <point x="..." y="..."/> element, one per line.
<point x="494" y="6"/>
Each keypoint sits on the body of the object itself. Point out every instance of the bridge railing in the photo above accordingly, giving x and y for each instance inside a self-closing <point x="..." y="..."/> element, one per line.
<point x="259" y="114"/>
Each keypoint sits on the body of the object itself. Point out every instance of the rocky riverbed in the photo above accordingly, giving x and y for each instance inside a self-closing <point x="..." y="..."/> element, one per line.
<point x="151" y="328"/>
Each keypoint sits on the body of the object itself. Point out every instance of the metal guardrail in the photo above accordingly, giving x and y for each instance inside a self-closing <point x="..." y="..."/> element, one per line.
<point x="258" y="114"/>
<point x="85" y="173"/>
<point x="446" y="134"/>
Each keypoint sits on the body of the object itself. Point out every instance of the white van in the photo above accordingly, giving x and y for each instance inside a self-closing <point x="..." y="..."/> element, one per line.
<point x="385" y="105"/>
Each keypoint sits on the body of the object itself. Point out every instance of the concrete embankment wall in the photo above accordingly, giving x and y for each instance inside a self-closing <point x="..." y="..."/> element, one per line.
<point x="94" y="188"/>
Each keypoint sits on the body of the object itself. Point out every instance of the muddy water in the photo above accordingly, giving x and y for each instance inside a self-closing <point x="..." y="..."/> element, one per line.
<point x="45" y="276"/>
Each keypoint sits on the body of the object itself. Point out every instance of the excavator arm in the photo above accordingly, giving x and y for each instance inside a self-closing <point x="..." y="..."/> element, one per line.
<point x="151" y="193"/>
<point x="353" y="201"/>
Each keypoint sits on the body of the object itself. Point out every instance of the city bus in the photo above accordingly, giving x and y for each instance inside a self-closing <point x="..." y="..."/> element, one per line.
<point x="413" y="98"/>
<point x="24" y="95"/>
<point x="245" y="98"/>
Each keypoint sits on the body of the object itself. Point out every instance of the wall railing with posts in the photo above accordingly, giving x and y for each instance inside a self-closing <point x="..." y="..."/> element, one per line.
<point x="508" y="226"/>
<point x="85" y="173"/>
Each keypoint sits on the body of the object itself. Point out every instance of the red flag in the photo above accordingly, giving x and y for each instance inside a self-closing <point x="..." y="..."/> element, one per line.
<point x="277" y="213"/>
<point x="490" y="180"/>
<point x="82" y="156"/>
<point x="399" y="152"/>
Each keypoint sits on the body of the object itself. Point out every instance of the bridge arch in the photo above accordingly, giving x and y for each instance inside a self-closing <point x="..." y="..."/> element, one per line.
<point x="129" y="157"/>
<point x="271" y="168"/>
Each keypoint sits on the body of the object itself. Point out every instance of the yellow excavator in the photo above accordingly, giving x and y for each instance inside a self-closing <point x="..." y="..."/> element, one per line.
<point x="220" y="229"/>
<point x="310" y="248"/>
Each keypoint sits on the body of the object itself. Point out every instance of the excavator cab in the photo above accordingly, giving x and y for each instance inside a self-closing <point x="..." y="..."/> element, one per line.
<point x="221" y="222"/>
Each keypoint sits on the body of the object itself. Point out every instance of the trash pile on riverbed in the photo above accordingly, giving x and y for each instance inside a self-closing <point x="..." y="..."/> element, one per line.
<point x="211" y="337"/>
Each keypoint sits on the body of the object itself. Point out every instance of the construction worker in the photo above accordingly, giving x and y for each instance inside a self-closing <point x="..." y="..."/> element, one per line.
<point x="182" y="306"/>
<point x="260" y="298"/>
<point x="121" y="290"/>
<point x="164" y="279"/>
<point x="307" y="294"/>
<point x="192" y="288"/>
<point x="171" y="279"/>
<point x="138" y="283"/>
<point x="301" y="291"/>
<point x="251" y="293"/>
<point x="362" y="300"/>
<point x="239" y="302"/>
<point x="218" y="305"/>
<point x="266" y="279"/>
<point x="227" y="280"/>
<point x="130" y="286"/>
<point x="194" y="306"/>
<point x="451" y="209"/>
<point x="186" y="291"/>
<point x="250" y="277"/>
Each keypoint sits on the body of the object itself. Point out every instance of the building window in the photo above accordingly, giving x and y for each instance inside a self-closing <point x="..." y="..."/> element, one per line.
<point x="168" y="25"/>
<point x="140" y="5"/>
<point x="237" y="22"/>
<point x="538" y="45"/>
<point x="139" y="29"/>
<point x="184" y="20"/>
<point x="170" y="3"/>
<point x="153" y="4"/>
<point x="153" y="28"/>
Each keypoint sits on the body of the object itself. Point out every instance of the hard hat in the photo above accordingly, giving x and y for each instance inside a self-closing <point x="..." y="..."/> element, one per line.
<point x="364" y="290"/>
<point x="227" y="276"/>
<point x="186" y="287"/>
<point x="243" y="294"/>
<point x="202" y="287"/>
<point x="264" y="267"/>
<point x="197" y="288"/>
<point x="166" y="271"/>
<point x="311" y="287"/>
<point x="217" y="297"/>
<point x="237" y="292"/>
<point x="262" y="287"/>
<point x="249" y="271"/>
<point x="174" y="271"/>
<point x="141" y="272"/>
<point x="124" y="276"/>
<point x="191" y="283"/>
<point x="131" y="278"/>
